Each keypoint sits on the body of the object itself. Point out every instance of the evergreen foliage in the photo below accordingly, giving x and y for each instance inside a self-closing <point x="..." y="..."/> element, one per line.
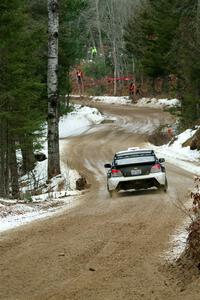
<point x="23" y="67"/>
<point x="21" y="85"/>
<point x="96" y="68"/>
<point x="71" y="39"/>
<point x="163" y="38"/>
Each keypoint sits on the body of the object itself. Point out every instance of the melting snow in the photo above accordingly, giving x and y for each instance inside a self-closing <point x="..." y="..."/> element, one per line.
<point x="143" y="102"/>
<point x="157" y="103"/>
<point x="177" y="243"/>
<point x="79" y="121"/>
<point x="13" y="214"/>
<point x="183" y="157"/>
<point x="112" y="99"/>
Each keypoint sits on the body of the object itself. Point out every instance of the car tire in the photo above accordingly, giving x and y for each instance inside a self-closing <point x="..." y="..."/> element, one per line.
<point x="112" y="193"/>
<point x="165" y="187"/>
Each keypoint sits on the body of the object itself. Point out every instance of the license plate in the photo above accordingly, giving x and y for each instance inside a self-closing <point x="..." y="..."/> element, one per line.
<point x="136" y="172"/>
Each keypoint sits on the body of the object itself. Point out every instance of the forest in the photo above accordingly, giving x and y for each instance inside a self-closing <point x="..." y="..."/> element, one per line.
<point x="155" y="41"/>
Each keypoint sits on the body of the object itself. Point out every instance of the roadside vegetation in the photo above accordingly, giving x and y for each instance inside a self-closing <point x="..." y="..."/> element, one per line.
<point x="23" y="80"/>
<point x="163" y="39"/>
<point x="193" y="248"/>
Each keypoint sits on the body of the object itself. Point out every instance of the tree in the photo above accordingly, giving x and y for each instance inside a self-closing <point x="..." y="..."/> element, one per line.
<point x="52" y="87"/>
<point x="21" y="88"/>
<point x="23" y="81"/>
<point x="107" y="19"/>
<point x="149" y="36"/>
<point x="163" y="37"/>
<point x="64" y="48"/>
<point x="187" y="61"/>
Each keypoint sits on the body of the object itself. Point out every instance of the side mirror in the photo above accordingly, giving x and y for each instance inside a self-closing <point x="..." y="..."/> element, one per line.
<point x="107" y="166"/>
<point x="161" y="160"/>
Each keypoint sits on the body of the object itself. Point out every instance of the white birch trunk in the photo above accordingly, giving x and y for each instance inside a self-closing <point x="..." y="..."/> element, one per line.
<point x="99" y="28"/>
<point x="52" y="89"/>
<point x="115" y="69"/>
<point x="114" y="38"/>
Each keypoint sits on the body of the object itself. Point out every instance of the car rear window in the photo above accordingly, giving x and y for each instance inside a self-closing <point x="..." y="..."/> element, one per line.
<point x="135" y="157"/>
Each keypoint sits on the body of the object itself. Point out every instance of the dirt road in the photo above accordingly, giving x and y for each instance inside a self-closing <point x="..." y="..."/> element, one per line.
<point x="105" y="248"/>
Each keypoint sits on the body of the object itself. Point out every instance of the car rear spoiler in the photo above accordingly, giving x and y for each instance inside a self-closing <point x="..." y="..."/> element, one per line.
<point x="135" y="160"/>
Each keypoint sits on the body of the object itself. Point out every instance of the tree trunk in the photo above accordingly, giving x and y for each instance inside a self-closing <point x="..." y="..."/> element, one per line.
<point x="4" y="167"/>
<point x="13" y="169"/>
<point x="2" y="160"/>
<point x="115" y="69"/>
<point x="28" y="157"/>
<point x="99" y="28"/>
<point x="52" y="88"/>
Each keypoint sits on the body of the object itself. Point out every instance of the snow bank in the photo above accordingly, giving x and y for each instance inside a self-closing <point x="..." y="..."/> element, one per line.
<point x="72" y="124"/>
<point x="38" y="177"/>
<point x="61" y="188"/>
<point x="124" y="100"/>
<point x="177" y="243"/>
<point x="158" y="103"/>
<point x="21" y="214"/>
<point x="179" y="155"/>
<point x="79" y="121"/>
<point x="188" y="160"/>
<point x="143" y="102"/>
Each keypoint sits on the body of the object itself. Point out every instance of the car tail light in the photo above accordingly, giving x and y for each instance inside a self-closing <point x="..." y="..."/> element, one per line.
<point x="116" y="173"/>
<point x="156" y="168"/>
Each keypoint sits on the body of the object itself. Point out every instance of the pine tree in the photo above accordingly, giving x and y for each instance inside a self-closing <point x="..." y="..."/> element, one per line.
<point x="23" y="81"/>
<point x="21" y="88"/>
<point x="187" y="60"/>
<point x="164" y="39"/>
<point x="149" y="36"/>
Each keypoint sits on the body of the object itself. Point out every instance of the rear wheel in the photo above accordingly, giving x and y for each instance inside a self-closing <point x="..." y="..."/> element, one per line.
<point x="165" y="186"/>
<point x="113" y="193"/>
<point x="165" y="189"/>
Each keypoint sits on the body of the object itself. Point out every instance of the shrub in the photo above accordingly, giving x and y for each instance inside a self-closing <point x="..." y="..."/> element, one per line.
<point x="193" y="241"/>
<point x="160" y="136"/>
<point x="96" y="69"/>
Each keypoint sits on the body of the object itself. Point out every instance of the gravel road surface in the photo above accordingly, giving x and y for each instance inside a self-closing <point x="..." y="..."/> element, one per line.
<point x="104" y="249"/>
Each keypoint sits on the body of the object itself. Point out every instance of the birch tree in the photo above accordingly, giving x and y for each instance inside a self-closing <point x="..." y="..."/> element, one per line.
<point x="114" y="18"/>
<point x="52" y="89"/>
<point x="107" y="19"/>
<point x="98" y="21"/>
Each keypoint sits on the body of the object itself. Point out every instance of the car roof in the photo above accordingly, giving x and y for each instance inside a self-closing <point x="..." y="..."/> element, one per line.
<point x="136" y="150"/>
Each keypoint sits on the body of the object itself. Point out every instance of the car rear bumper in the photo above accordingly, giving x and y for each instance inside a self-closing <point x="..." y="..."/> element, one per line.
<point x="137" y="182"/>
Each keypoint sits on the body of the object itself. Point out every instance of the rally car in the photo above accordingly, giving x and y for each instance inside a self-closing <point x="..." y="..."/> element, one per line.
<point x="136" y="169"/>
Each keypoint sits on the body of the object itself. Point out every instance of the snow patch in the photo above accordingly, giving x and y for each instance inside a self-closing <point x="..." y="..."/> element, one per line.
<point x="177" y="242"/>
<point x="60" y="193"/>
<point x="79" y="121"/>
<point x="158" y="103"/>
<point x="183" y="157"/>
<point x="143" y="102"/>
<point x="124" y="100"/>
<point x="18" y="215"/>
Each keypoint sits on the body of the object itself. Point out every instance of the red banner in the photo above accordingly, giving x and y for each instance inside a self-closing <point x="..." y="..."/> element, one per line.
<point x="109" y="79"/>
